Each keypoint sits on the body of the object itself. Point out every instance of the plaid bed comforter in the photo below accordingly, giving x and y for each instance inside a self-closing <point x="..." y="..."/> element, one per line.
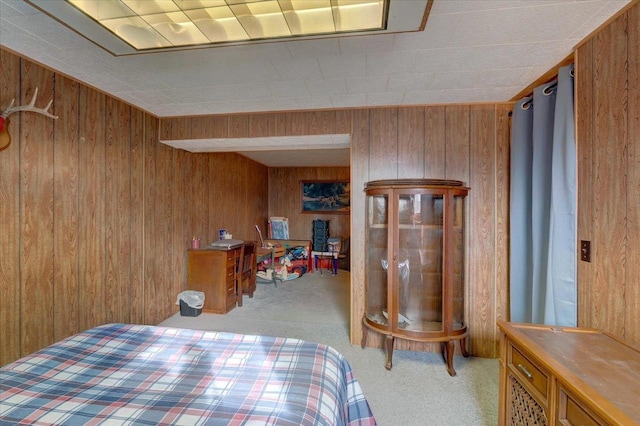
<point x="133" y="374"/>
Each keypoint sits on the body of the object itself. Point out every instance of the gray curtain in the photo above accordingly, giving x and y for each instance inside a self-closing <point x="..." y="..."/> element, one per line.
<point x="543" y="206"/>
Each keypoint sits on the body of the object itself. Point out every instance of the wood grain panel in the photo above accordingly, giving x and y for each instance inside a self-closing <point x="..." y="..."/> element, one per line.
<point x="176" y="128"/>
<point x="584" y="139"/>
<point x="235" y="197"/>
<point x="238" y="126"/>
<point x="285" y="199"/>
<point x="164" y="231"/>
<point x="343" y="121"/>
<point x="610" y="136"/>
<point x="481" y="214"/>
<point x="435" y="139"/>
<point x="240" y="231"/>
<point x="261" y="125"/>
<point x="10" y="236"/>
<point x="199" y="197"/>
<point x="65" y="208"/>
<point x="36" y="204"/>
<point x="164" y="132"/>
<point x="322" y="122"/>
<point x="285" y="185"/>
<point x="383" y="144"/>
<point x="210" y="126"/>
<point x="117" y="210"/>
<point x="457" y="142"/>
<point x="98" y="193"/>
<point x="91" y="192"/>
<point x="152" y="225"/>
<point x="137" y="282"/>
<point x="216" y="188"/>
<point x="360" y="154"/>
<point x="223" y="211"/>
<point x="180" y="235"/>
<point x="281" y="124"/>
<point x="216" y="194"/>
<point x="181" y="128"/>
<point x="256" y="200"/>
<point x="275" y="175"/>
<point x="297" y="123"/>
<point x="502" y="159"/>
<point x="411" y="142"/>
<point x="632" y="285"/>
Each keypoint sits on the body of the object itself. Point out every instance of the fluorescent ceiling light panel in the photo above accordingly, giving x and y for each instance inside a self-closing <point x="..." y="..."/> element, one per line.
<point x="126" y="27"/>
<point x="153" y="24"/>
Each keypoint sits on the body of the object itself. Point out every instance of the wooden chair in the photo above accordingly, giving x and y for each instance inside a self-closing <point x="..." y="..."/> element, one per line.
<point x="248" y="270"/>
<point x="331" y="253"/>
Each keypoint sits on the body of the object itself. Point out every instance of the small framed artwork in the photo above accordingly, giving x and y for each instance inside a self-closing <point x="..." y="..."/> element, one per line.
<point x="279" y="228"/>
<point x="326" y="196"/>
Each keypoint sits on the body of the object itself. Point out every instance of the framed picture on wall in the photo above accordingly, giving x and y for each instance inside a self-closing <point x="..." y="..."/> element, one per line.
<point x="279" y="228"/>
<point x="326" y="196"/>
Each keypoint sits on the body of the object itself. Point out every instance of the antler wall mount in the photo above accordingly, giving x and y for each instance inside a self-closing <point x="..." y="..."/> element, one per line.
<point x="5" y="138"/>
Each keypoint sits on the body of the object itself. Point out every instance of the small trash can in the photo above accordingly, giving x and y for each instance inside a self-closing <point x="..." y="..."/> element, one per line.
<point x="190" y="302"/>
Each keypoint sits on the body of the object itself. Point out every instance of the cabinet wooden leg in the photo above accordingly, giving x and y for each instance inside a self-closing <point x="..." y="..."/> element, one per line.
<point x="365" y="333"/>
<point x="390" y="340"/>
<point x="450" y="349"/>
<point x="463" y="347"/>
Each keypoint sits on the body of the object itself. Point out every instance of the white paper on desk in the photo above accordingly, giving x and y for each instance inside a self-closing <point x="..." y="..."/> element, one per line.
<point x="226" y="244"/>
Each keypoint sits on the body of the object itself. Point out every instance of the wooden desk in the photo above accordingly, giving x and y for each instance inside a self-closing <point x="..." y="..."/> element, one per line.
<point x="215" y="273"/>
<point x="569" y="376"/>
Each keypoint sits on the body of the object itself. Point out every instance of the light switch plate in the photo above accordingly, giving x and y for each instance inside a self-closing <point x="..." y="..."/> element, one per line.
<point x="585" y="251"/>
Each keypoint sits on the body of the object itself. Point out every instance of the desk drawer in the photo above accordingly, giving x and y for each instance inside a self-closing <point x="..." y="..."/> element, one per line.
<point x="231" y="287"/>
<point x="573" y="412"/>
<point x="230" y="273"/>
<point x="529" y="373"/>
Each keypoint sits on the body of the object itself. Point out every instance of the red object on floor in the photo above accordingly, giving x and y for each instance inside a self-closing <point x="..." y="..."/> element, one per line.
<point x="325" y="262"/>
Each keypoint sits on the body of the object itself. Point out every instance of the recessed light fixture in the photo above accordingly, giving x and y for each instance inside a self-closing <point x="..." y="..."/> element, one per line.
<point x="152" y="24"/>
<point x="138" y="26"/>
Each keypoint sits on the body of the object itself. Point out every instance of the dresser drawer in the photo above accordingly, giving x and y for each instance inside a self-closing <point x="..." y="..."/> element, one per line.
<point x="529" y="373"/>
<point x="573" y="412"/>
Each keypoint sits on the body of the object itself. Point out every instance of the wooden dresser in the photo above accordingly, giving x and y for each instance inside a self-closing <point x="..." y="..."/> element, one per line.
<point x="215" y="273"/>
<point x="568" y="376"/>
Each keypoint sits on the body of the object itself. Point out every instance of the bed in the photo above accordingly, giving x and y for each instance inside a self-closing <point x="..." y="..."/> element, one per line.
<point x="135" y="374"/>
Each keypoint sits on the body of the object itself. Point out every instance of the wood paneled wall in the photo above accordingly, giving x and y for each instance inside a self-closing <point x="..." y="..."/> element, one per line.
<point x="285" y="199"/>
<point x="608" y="134"/>
<point x="96" y="215"/>
<point x="468" y="143"/>
<point x="462" y="142"/>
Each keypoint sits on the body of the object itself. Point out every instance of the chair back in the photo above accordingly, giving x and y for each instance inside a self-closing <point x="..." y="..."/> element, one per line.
<point x="334" y="244"/>
<point x="249" y="257"/>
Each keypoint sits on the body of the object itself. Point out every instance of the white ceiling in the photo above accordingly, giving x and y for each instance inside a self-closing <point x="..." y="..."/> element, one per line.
<point x="470" y="51"/>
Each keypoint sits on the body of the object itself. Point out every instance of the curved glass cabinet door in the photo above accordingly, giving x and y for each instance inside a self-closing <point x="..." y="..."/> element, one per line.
<point x="415" y="262"/>
<point x="376" y="259"/>
<point x="420" y="254"/>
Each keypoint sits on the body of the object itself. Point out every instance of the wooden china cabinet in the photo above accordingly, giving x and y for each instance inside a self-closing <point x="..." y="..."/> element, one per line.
<point x="414" y="266"/>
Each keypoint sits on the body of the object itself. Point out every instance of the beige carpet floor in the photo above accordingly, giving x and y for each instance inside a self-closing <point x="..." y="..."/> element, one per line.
<point x="417" y="390"/>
